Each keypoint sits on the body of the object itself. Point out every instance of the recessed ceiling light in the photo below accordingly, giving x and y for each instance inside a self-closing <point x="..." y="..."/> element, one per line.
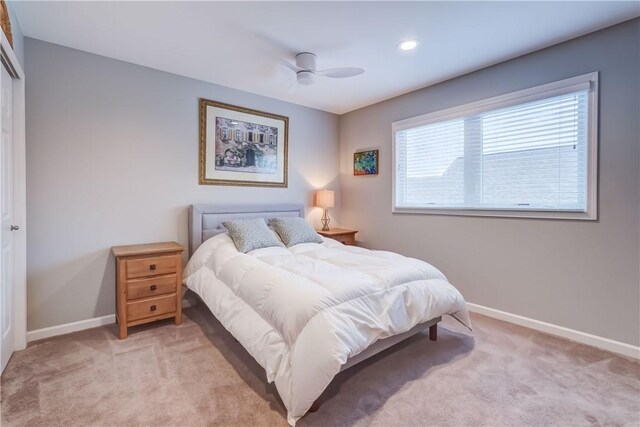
<point x="408" y="45"/>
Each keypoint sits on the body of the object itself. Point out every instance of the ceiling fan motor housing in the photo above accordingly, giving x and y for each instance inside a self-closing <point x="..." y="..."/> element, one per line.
<point x="306" y="77"/>
<point x="306" y="61"/>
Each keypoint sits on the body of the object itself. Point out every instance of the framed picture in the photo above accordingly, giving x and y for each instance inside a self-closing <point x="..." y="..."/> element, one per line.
<point x="240" y="146"/>
<point x="365" y="162"/>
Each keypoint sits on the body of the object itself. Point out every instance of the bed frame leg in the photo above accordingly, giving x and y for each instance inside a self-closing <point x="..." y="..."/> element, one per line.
<point x="433" y="332"/>
<point x="315" y="406"/>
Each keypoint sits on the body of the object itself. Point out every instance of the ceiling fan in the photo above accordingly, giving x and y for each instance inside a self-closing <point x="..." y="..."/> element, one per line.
<point x="306" y="72"/>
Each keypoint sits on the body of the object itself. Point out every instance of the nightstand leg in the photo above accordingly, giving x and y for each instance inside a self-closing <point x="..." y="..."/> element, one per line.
<point x="121" y="297"/>
<point x="122" y="330"/>
<point x="178" y="319"/>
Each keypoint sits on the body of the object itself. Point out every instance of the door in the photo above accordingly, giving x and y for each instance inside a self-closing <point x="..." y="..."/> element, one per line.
<point x="6" y="218"/>
<point x="250" y="157"/>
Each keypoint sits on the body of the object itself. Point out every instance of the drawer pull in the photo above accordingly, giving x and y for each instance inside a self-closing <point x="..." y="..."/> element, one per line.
<point x="152" y="267"/>
<point x="152" y="308"/>
<point x="153" y="287"/>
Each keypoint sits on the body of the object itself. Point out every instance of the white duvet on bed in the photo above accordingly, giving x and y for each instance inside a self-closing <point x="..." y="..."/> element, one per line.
<point x="303" y="311"/>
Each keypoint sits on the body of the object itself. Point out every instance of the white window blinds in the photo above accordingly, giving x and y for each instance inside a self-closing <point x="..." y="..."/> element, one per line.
<point x="522" y="152"/>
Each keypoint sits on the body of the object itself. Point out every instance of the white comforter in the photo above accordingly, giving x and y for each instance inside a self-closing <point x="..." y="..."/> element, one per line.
<point x="303" y="311"/>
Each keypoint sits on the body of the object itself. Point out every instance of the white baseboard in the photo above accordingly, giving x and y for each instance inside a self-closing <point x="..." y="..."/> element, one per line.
<point x="66" y="328"/>
<point x="560" y="331"/>
<point x="81" y="325"/>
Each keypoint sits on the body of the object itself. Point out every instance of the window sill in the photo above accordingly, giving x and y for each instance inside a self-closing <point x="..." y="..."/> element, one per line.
<point x="499" y="213"/>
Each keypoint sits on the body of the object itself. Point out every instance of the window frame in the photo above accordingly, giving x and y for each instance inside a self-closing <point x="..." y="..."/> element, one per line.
<point x="585" y="81"/>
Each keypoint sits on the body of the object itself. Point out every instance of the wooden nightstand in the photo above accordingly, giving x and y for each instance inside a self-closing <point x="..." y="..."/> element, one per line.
<point x="342" y="235"/>
<point x="148" y="279"/>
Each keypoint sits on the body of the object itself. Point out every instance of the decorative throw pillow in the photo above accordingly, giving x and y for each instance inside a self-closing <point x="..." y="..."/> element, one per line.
<point x="250" y="234"/>
<point x="294" y="230"/>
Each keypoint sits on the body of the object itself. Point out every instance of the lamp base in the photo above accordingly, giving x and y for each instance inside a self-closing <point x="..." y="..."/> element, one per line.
<point x="325" y="220"/>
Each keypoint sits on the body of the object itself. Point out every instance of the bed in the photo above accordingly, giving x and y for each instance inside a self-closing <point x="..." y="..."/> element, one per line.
<point x="307" y="312"/>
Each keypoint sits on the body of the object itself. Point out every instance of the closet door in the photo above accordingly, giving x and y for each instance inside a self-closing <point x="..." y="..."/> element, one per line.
<point x="6" y="218"/>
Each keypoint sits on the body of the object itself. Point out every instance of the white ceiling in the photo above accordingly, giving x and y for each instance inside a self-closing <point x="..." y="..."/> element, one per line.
<point x="238" y="44"/>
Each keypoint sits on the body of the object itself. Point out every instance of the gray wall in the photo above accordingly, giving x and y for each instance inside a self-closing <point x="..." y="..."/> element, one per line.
<point x="112" y="158"/>
<point x="577" y="274"/>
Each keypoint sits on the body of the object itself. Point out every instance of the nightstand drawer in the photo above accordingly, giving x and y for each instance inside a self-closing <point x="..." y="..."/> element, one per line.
<point x="346" y="240"/>
<point x="151" y="307"/>
<point x="151" y="287"/>
<point x="151" y="266"/>
<point x="342" y="235"/>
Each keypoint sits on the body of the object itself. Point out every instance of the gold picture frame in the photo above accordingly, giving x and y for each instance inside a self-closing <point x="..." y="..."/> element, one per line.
<point x="241" y="146"/>
<point x="5" y="21"/>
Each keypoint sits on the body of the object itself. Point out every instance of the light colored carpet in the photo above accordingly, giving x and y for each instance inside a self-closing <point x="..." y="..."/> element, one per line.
<point x="197" y="374"/>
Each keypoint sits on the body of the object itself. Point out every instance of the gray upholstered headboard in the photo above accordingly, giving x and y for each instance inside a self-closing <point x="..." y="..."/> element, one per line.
<point x="205" y="221"/>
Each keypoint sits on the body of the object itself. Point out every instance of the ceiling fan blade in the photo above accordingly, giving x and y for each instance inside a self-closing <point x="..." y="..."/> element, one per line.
<point x="289" y="65"/>
<point x="292" y="87"/>
<point x="339" y="73"/>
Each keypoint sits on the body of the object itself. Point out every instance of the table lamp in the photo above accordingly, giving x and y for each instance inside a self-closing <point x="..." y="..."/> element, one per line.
<point x="325" y="199"/>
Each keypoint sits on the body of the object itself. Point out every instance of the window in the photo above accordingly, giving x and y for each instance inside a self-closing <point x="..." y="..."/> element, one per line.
<point x="531" y="153"/>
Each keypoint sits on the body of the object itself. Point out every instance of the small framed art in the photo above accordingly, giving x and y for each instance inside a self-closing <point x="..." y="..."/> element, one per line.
<point x="365" y="162"/>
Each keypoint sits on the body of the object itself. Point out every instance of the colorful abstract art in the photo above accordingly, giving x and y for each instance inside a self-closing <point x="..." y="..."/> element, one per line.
<point x="365" y="163"/>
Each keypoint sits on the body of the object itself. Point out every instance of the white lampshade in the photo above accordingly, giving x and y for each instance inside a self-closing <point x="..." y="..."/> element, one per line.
<point x="325" y="199"/>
